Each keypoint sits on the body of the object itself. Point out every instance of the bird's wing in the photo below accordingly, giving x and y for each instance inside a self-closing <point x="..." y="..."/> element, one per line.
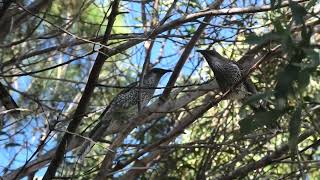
<point x="125" y="90"/>
<point x="104" y="121"/>
<point x="104" y="113"/>
<point x="96" y="133"/>
<point x="7" y="101"/>
<point x="128" y="88"/>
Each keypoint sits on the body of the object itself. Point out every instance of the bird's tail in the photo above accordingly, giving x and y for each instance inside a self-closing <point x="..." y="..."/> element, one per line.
<point x="95" y="134"/>
<point x="84" y="149"/>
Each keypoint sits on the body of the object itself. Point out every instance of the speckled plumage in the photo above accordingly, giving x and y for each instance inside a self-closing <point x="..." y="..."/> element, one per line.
<point x="129" y="97"/>
<point x="227" y="73"/>
<point x="124" y="106"/>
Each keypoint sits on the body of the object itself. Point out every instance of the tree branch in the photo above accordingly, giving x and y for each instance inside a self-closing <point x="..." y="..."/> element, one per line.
<point x="84" y="101"/>
<point x="187" y="51"/>
<point x="263" y="162"/>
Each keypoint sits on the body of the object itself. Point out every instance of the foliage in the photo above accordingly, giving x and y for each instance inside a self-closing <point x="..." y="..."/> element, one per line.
<point x="48" y="50"/>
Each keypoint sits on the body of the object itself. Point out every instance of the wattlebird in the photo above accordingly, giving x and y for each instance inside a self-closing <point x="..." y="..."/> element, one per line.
<point x="124" y="106"/>
<point x="228" y="73"/>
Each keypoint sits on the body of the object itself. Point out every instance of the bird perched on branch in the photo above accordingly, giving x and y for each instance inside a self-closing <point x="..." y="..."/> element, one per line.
<point x="8" y="102"/>
<point x="228" y="73"/>
<point x="124" y="106"/>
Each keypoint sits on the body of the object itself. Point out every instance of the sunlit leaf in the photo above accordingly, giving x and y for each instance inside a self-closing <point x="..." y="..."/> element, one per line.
<point x="311" y="3"/>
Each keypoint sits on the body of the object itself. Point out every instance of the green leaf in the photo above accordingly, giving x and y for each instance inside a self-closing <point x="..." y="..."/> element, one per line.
<point x="247" y="125"/>
<point x="288" y="44"/>
<point x="313" y="56"/>
<point x="311" y="4"/>
<point x="258" y="120"/>
<point x="298" y="12"/>
<point x="254" y="100"/>
<point x="306" y="34"/>
<point x="256" y="97"/>
<point x="254" y="39"/>
<point x="268" y="118"/>
<point x="275" y="4"/>
<point x="303" y="79"/>
<point x="278" y="26"/>
<point x="294" y="130"/>
<point x="272" y="3"/>
<point x="285" y="80"/>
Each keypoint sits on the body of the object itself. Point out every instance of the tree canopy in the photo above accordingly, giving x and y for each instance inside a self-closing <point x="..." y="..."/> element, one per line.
<point x="63" y="62"/>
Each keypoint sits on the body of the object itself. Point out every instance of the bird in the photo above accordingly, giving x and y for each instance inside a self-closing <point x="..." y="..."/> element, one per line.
<point x="123" y="106"/>
<point x="228" y="73"/>
<point x="8" y="102"/>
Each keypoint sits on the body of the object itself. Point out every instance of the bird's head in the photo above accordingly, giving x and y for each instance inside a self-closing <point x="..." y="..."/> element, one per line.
<point x="209" y="54"/>
<point x="159" y="71"/>
<point x="153" y="76"/>
<point x="213" y="58"/>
